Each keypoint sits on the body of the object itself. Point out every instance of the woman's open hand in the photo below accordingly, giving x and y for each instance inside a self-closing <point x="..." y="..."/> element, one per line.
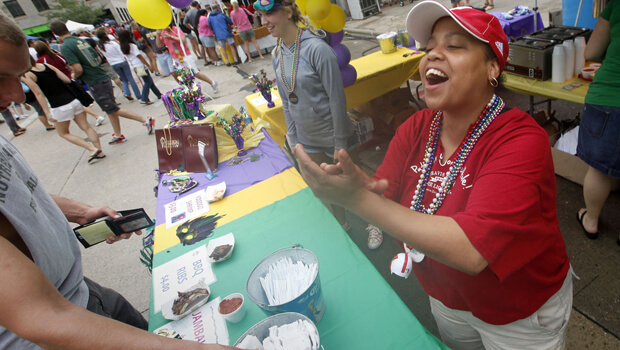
<point x="339" y="183"/>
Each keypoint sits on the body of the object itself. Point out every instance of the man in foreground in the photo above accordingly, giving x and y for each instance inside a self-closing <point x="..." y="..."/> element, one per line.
<point x="45" y="301"/>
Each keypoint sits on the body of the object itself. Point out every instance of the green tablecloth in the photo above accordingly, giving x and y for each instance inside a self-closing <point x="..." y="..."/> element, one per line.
<point x="362" y="310"/>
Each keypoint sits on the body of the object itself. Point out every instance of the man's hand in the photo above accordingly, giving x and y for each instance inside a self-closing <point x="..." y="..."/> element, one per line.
<point x="94" y="213"/>
<point x="81" y="213"/>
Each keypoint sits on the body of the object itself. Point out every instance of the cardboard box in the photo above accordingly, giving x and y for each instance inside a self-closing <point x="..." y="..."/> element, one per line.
<point x="569" y="166"/>
<point x="565" y="164"/>
<point x="363" y="123"/>
<point x="363" y="138"/>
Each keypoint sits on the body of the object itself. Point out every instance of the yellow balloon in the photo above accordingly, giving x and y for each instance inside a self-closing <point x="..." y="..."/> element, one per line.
<point x="302" y="6"/>
<point x="335" y="20"/>
<point x="317" y="9"/>
<point x="316" y="24"/>
<point x="154" y="14"/>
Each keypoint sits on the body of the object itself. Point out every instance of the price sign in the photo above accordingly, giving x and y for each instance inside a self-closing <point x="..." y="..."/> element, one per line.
<point x="180" y="274"/>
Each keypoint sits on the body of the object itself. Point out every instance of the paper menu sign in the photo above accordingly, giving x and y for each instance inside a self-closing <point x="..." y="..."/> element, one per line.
<point x="186" y="208"/>
<point x="205" y="325"/>
<point x="260" y="100"/>
<point x="180" y="274"/>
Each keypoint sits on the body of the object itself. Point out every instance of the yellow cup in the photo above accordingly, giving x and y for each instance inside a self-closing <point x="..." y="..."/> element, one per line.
<point x="386" y="42"/>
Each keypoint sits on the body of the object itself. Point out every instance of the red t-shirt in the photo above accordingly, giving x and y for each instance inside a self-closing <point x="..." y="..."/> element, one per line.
<point x="505" y="202"/>
<point x="59" y="62"/>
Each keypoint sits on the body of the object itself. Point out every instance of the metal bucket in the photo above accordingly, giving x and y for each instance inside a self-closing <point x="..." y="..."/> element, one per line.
<point x="261" y="329"/>
<point x="310" y="303"/>
<point x="404" y="38"/>
<point x="386" y="42"/>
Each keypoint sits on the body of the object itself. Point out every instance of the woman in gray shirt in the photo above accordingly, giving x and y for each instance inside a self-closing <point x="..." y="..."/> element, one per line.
<point x="308" y="79"/>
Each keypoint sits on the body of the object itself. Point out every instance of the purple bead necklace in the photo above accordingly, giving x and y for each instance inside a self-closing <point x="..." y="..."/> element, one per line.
<point x="491" y="110"/>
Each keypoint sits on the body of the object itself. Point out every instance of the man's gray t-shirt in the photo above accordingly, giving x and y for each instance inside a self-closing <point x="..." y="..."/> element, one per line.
<point x="44" y="229"/>
<point x="191" y="17"/>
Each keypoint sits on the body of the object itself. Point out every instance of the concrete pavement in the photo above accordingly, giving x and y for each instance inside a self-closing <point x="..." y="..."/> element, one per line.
<point x="125" y="179"/>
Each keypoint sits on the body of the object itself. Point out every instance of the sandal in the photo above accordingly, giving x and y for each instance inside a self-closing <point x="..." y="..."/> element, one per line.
<point x="19" y="132"/>
<point x="588" y="234"/>
<point x="489" y="7"/>
<point x="50" y="128"/>
<point x="95" y="156"/>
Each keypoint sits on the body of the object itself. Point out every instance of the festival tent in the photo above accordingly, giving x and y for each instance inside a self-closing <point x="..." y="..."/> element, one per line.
<point x="72" y="26"/>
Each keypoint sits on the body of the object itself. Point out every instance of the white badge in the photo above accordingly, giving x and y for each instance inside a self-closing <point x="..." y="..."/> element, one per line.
<point x="415" y="255"/>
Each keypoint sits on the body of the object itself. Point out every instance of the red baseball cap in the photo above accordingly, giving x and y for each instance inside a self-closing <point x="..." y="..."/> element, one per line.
<point x="483" y="26"/>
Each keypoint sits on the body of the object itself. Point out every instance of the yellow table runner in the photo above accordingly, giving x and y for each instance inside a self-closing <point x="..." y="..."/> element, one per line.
<point x="239" y="204"/>
<point x="527" y="86"/>
<point x="377" y="74"/>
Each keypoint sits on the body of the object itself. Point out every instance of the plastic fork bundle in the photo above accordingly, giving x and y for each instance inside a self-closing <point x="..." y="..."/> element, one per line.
<point x="299" y="335"/>
<point x="286" y="280"/>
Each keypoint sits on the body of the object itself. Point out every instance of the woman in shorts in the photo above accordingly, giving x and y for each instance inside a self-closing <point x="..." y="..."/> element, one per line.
<point x="206" y="36"/>
<point x="31" y="100"/>
<point x="65" y="107"/>
<point x="241" y="20"/>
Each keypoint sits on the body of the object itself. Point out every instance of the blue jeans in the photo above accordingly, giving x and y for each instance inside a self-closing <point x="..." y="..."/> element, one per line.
<point x="124" y="72"/>
<point x="149" y="84"/>
<point x="599" y="144"/>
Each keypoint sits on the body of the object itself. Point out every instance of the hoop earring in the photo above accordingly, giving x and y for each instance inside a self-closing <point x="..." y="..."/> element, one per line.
<point x="494" y="83"/>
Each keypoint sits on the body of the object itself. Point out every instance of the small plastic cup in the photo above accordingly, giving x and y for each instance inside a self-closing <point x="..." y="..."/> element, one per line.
<point x="588" y="72"/>
<point x="236" y="315"/>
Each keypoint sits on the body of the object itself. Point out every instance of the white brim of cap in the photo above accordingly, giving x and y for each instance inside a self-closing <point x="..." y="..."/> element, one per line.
<point x="422" y="18"/>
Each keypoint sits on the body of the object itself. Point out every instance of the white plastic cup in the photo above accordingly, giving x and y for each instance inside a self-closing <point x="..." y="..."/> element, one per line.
<point x="236" y="315"/>
<point x="588" y="72"/>
<point x="569" y="49"/>
<point x="557" y="64"/>
<point x="580" y="59"/>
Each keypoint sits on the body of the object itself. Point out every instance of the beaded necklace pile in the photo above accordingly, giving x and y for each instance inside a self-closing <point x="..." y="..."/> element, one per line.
<point x="291" y="86"/>
<point x="491" y="110"/>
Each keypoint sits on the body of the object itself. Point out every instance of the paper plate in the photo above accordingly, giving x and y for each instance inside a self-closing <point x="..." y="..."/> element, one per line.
<point x="228" y="239"/>
<point x="216" y="192"/>
<point x="166" y="308"/>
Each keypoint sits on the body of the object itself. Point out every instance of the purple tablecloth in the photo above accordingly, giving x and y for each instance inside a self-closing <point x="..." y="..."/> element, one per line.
<point x="272" y="161"/>
<point x="520" y="25"/>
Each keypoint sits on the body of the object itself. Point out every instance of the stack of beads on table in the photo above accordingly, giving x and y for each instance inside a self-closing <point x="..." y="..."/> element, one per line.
<point x="185" y="103"/>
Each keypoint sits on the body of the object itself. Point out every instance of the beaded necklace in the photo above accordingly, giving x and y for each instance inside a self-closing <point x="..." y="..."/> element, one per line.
<point x="491" y="110"/>
<point x="290" y="87"/>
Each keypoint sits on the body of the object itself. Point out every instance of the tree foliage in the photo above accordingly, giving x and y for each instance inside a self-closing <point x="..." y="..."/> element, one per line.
<point x="75" y="10"/>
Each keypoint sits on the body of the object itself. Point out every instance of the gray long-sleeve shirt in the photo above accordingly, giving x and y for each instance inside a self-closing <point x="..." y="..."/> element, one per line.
<point x="320" y="117"/>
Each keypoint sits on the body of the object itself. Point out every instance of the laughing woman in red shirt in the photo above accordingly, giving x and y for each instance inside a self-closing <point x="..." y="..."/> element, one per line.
<point x="468" y="183"/>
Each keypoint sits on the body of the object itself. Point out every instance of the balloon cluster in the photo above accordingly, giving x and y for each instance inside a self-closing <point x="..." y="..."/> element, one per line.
<point x="331" y="18"/>
<point x="154" y="14"/>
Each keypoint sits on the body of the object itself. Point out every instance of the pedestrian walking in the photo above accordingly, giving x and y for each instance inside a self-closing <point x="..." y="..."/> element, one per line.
<point x="139" y="64"/>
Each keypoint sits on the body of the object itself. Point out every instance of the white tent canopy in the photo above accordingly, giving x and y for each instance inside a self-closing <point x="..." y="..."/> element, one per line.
<point x="72" y="26"/>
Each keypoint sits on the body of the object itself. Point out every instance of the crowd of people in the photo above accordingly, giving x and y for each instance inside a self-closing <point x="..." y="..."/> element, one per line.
<point x="130" y="53"/>
<point x="467" y="185"/>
